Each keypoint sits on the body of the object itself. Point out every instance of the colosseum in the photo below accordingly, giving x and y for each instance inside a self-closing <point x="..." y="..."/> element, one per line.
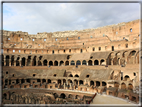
<point x="72" y="67"/>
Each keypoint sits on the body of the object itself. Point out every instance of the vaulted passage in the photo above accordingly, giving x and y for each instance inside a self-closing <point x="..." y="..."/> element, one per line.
<point x="17" y="61"/>
<point x="29" y="60"/>
<point x="61" y="63"/>
<point x="96" y="62"/>
<point x="56" y="63"/>
<point x="72" y="63"/>
<point x="84" y="62"/>
<point x="62" y="96"/>
<point x="7" y="60"/>
<point x="90" y="62"/>
<point x="23" y="61"/>
<point x="12" y="60"/>
<point x="78" y="63"/>
<point x="67" y="63"/>
<point x="34" y="61"/>
<point x="45" y="62"/>
<point x="50" y="63"/>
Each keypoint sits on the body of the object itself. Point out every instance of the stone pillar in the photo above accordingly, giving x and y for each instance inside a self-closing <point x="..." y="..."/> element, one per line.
<point x="87" y="63"/>
<point x="64" y="86"/>
<point x="111" y="61"/>
<point x="59" y="63"/>
<point x="94" y="83"/>
<point x="14" y="63"/>
<point x="100" y="83"/>
<point x="9" y="62"/>
<point x="20" y="62"/>
<point x="4" y="61"/>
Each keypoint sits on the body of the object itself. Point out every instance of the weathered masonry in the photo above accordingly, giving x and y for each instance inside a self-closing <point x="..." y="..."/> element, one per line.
<point x="104" y="59"/>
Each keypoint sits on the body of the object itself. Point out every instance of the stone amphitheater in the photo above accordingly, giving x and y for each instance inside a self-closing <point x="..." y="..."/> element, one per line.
<point x="72" y="67"/>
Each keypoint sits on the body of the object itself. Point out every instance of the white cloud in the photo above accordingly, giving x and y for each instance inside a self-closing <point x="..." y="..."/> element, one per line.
<point x="52" y="17"/>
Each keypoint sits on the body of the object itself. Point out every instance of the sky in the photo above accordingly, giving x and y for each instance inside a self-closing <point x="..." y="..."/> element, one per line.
<point x="53" y="17"/>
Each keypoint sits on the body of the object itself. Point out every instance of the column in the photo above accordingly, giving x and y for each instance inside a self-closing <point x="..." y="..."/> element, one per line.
<point x="111" y="61"/>
<point x="9" y="62"/>
<point x="94" y="83"/>
<point x="36" y="62"/>
<point x="100" y="83"/>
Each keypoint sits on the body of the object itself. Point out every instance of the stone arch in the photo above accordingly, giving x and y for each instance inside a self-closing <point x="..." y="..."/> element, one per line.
<point x="104" y="83"/>
<point x="63" y="96"/>
<point x="72" y="62"/>
<point x="127" y="78"/>
<point x="97" y="83"/>
<point x="90" y="62"/>
<point x="34" y="61"/>
<point x="4" y="96"/>
<point x="78" y="62"/>
<point x="84" y="62"/>
<point x="28" y="60"/>
<point x="102" y="62"/>
<point x="116" y="84"/>
<point x="123" y="85"/>
<point x="50" y="63"/>
<point x="96" y="62"/>
<point x="70" y="96"/>
<point x="61" y="63"/>
<point x="45" y="62"/>
<point x="130" y="86"/>
<point x="69" y="81"/>
<point x="77" y="97"/>
<point x="67" y="63"/>
<point x="39" y="63"/>
<point x="7" y="60"/>
<point x="91" y="83"/>
<point x="76" y="82"/>
<point x="23" y="61"/>
<point x="59" y="81"/>
<point x="12" y="60"/>
<point x="17" y="61"/>
<point x="49" y="80"/>
<point x="76" y="75"/>
<point x="55" y="63"/>
<point x="131" y="57"/>
<point x="70" y="75"/>
<point x="81" y="82"/>
<point x="55" y="95"/>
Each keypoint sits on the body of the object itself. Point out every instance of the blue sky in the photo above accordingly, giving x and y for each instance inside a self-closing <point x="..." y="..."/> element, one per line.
<point x="52" y="17"/>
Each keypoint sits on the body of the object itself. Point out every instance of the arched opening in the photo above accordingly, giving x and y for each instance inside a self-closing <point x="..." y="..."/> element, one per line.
<point x="49" y="81"/>
<point x="28" y="80"/>
<point x="76" y="75"/>
<point x="91" y="83"/>
<point x="34" y="61"/>
<point x="72" y="62"/>
<point x="90" y="62"/>
<point x="83" y="62"/>
<point x="87" y="76"/>
<point x="123" y="86"/>
<point x="22" y="80"/>
<point x="97" y="83"/>
<point x="63" y="96"/>
<point x="78" y="62"/>
<point x="130" y="86"/>
<point x="17" y="62"/>
<point x="77" y="97"/>
<point x="131" y="59"/>
<point x="17" y="81"/>
<point x="55" y="95"/>
<point x="7" y="60"/>
<point x="80" y="82"/>
<point x="55" y="63"/>
<point x="4" y="96"/>
<point x="39" y="63"/>
<point x="28" y="60"/>
<point x="67" y="63"/>
<point x="12" y="60"/>
<point x="45" y="62"/>
<point x="102" y="62"/>
<point x="43" y="81"/>
<point x="96" y="62"/>
<point x="104" y="84"/>
<point x="127" y="78"/>
<point x="61" y="63"/>
<point x="70" y="96"/>
<point x="76" y="82"/>
<point x="116" y="84"/>
<point x="59" y="81"/>
<point x="64" y="81"/>
<point x="23" y="61"/>
<point x="70" y="75"/>
<point x="50" y="63"/>
<point x="69" y="81"/>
